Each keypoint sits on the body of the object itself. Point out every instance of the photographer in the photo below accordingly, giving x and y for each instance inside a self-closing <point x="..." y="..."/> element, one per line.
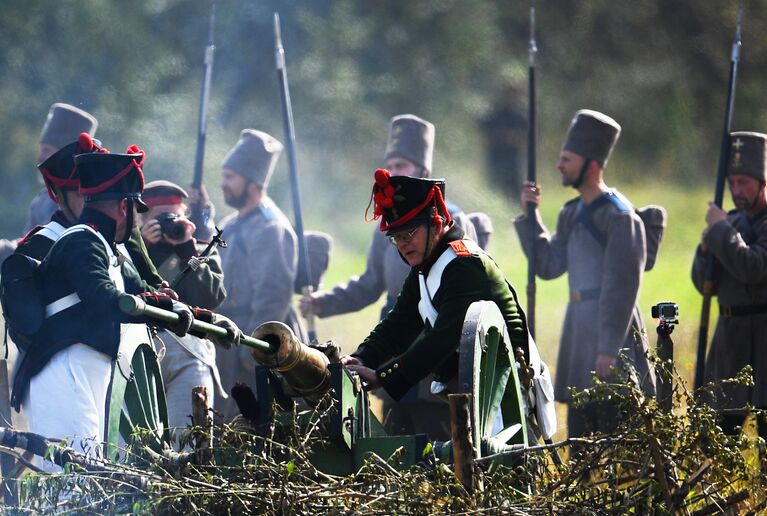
<point x="189" y="361"/>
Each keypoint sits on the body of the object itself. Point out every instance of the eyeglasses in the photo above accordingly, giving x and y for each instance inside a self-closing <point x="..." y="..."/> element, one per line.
<point x="403" y="237"/>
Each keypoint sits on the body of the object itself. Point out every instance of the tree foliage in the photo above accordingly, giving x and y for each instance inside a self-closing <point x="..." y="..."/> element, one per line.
<point x="659" y="67"/>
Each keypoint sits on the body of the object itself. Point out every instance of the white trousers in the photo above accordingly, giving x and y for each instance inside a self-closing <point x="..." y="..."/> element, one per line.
<point x="68" y="399"/>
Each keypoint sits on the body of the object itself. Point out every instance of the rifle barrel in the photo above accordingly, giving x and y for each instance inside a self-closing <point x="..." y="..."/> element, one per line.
<point x="196" y="215"/>
<point x="531" y="175"/>
<point x="724" y="155"/>
<point x="290" y="137"/>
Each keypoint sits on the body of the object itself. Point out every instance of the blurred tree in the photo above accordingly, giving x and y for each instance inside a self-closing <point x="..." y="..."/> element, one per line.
<point x="659" y="67"/>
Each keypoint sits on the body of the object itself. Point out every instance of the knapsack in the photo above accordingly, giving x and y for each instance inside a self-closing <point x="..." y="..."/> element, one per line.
<point x="23" y="308"/>
<point x="653" y="218"/>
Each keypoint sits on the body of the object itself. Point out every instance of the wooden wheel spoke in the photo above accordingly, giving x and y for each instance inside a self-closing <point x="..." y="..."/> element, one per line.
<point x="487" y="370"/>
<point x="134" y="408"/>
<point x="487" y="377"/>
<point x="144" y="389"/>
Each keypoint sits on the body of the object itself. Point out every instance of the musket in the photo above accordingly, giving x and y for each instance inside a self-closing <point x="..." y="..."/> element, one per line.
<point x="195" y="262"/>
<point x="196" y="214"/>
<point x="709" y="285"/>
<point x="304" y="267"/>
<point x="532" y="50"/>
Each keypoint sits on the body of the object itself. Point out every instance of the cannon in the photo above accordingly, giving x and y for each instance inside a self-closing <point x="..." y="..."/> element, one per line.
<point x="289" y="369"/>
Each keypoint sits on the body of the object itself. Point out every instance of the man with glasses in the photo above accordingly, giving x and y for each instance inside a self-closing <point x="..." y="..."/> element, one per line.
<point x="409" y="153"/>
<point x="420" y="335"/>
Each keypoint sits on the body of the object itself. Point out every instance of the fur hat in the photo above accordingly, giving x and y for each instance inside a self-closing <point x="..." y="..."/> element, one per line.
<point x="748" y="152"/>
<point x="65" y="123"/>
<point x="254" y="156"/>
<point x="411" y="138"/>
<point x="592" y="135"/>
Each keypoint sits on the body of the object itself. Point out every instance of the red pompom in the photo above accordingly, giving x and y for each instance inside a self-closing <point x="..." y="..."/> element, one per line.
<point x="134" y="149"/>
<point x="85" y="142"/>
<point x="382" y="177"/>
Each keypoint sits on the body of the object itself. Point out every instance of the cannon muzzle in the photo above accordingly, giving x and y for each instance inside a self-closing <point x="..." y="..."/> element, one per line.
<point x="305" y="369"/>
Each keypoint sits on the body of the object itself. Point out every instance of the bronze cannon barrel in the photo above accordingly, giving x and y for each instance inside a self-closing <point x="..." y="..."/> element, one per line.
<point x="305" y="369"/>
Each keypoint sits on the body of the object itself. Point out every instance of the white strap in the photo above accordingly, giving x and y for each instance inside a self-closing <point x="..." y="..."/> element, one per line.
<point x="52" y="231"/>
<point x="430" y="285"/>
<point x="61" y="304"/>
<point x="72" y="299"/>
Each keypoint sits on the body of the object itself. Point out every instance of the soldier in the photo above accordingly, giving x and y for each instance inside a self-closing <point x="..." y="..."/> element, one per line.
<point x="505" y="131"/>
<point x="420" y="335"/>
<point x="600" y="243"/>
<point x="62" y="184"/>
<point x="189" y="361"/>
<point x="260" y="262"/>
<point x="409" y="152"/>
<point x="62" y="127"/>
<point x="64" y="377"/>
<point x="738" y="241"/>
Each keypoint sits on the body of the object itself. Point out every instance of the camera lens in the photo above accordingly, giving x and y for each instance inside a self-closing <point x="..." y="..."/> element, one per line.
<point x="170" y="226"/>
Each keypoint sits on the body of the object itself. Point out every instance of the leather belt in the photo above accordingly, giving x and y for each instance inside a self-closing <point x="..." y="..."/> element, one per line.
<point x="741" y="310"/>
<point x="576" y="296"/>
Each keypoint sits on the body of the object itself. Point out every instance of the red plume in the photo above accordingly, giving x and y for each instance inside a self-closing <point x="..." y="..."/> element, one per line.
<point x="85" y="142"/>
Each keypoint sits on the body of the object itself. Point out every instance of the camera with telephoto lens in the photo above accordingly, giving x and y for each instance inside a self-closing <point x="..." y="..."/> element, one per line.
<point x="170" y="226"/>
<point x="667" y="312"/>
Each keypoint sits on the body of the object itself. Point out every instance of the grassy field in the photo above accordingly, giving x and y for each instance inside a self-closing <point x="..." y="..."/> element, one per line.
<point x="668" y="281"/>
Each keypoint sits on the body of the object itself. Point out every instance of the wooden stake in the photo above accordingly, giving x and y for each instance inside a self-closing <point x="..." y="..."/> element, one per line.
<point x="203" y="440"/>
<point x="463" y="450"/>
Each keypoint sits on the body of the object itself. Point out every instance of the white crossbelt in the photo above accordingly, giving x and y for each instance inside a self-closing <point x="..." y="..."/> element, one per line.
<point x="61" y="304"/>
<point x="72" y="299"/>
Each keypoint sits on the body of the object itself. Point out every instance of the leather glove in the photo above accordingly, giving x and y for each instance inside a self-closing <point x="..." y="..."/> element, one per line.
<point x="234" y="334"/>
<point x="185" y="318"/>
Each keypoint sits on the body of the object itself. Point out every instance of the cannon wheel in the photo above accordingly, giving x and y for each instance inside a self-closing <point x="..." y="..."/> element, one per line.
<point x="487" y="370"/>
<point x="137" y="395"/>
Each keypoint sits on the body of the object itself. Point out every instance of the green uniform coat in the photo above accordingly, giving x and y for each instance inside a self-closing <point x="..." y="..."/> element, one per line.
<point x="402" y="356"/>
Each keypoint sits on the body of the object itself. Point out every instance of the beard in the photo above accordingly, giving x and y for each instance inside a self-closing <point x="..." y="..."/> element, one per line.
<point x="741" y="203"/>
<point x="236" y="200"/>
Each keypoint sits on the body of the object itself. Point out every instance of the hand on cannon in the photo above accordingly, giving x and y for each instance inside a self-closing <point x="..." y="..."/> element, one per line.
<point x="367" y="375"/>
<point x="181" y="324"/>
<point x="233" y="333"/>
<point x="184" y="323"/>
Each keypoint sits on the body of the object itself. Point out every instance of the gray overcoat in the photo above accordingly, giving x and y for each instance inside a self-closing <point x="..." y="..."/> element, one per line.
<point x="602" y="315"/>
<point x="741" y="280"/>
<point x="259" y="265"/>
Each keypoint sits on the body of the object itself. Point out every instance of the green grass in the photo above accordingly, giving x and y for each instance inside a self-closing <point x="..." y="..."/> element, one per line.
<point x="668" y="281"/>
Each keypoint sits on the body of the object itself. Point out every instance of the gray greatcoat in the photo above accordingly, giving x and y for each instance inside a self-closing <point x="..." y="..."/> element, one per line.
<point x="260" y="266"/>
<point x="602" y="315"/>
<point x="741" y="280"/>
